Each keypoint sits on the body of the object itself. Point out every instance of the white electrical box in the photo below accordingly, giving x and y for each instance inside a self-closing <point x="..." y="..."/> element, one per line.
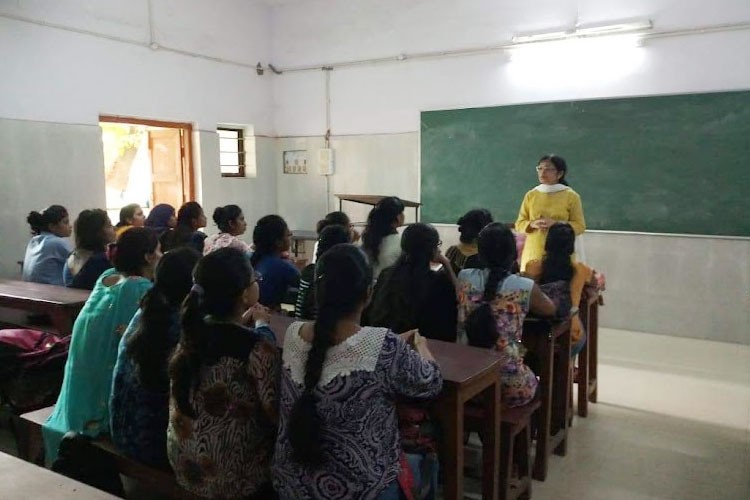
<point x="325" y="161"/>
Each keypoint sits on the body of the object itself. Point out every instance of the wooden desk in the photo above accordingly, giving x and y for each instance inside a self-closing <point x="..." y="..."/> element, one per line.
<point x="21" y="479"/>
<point x="467" y="373"/>
<point x="551" y="344"/>
<point x="60" y="303"/>
<point x="374" y="199"/>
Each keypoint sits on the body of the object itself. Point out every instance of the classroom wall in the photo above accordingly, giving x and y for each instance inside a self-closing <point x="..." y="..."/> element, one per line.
<point x="64" y="63"/>
<point x="655" y="284"/>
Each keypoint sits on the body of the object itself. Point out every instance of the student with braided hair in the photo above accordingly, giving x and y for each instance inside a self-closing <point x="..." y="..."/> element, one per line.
<point x="493" y="304"/>
<point x="224" y="375"/>
<point x="338" y="434"/>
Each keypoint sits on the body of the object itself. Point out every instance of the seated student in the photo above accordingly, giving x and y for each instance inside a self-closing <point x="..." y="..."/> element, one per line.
<point x="409" y="295"/>
<point x="492" y="307"/>
<point x="130" y="216"/>
<point x="47" y="250"/>
<point x="139" y="406"/>
<point x="161" y="219"/>
<point x="83" y="404"/>
<point x="224" y="403"/>
<point x="93" y="232"/>
<point x="338" y="433"/>
<point x="190" y="218"/>
<point x="558" y="265"/>
<point x="330" y="235"/>
<point x="335" y="219"/>
<point x="380" y="239"/>
<point x="231" y="223"/>
<point x="464" y="255"/>
<point x="271" y="238"/>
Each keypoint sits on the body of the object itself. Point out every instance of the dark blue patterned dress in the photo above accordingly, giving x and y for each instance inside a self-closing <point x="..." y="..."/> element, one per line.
<point x="361" y="379"/>
<point x="139" y="416"/>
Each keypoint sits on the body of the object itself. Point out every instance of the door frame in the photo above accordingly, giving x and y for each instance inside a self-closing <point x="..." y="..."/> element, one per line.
<point x="186" y="131"/>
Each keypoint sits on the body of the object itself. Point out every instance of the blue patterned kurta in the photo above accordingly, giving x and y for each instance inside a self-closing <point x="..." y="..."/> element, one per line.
<point x="83" y="404"/>
<point x="139" y="416"/>
<point x="360" y="427"/>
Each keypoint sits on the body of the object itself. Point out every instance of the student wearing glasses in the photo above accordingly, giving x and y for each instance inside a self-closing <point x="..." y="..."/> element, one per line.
<point x="550" y="202"/>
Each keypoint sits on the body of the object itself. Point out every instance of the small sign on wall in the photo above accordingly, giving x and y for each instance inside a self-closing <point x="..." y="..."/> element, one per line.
<point x="295" y="162"/>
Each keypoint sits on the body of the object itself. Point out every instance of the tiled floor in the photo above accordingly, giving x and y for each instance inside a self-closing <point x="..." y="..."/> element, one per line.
<point x="673" y="423"/>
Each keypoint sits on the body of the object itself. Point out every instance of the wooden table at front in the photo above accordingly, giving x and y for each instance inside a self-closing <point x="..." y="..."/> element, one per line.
<point x="60" y="303"/>
<point x="467" y="373"/>
<point x="21" y="479"/>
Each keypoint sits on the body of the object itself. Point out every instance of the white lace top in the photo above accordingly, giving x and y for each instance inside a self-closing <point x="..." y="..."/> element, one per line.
<point x="359" y="352"/>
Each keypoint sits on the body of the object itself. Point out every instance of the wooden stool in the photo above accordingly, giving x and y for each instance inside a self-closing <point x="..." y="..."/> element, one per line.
<point x="515" y="446"/>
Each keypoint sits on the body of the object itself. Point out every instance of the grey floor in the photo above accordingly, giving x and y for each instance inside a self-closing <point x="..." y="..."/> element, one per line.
<point x="619" y="453"/>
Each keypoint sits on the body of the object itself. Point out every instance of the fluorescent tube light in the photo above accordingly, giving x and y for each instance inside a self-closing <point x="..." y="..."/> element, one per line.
<point x="585" y="31"/>
<point x="611" y="29"/>
<point x="541" y="37"/>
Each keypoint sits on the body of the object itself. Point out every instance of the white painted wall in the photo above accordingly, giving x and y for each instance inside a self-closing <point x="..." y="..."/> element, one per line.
<point x="57" y="78"/>
<point x="64" y="63"/>
<point x="656" y="284"/>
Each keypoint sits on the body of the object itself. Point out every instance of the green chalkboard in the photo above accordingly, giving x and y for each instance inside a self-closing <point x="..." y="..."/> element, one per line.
<point x="668" y="164"/>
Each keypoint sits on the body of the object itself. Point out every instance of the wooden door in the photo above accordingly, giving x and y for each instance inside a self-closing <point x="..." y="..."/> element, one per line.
<point x="167" y="163"/>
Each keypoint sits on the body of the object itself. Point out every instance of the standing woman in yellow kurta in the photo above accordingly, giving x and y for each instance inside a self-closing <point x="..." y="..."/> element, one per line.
<point x="551" y="201"/>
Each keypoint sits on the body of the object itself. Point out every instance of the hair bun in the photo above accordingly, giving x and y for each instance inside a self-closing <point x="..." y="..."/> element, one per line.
<point x="218" y="215"/>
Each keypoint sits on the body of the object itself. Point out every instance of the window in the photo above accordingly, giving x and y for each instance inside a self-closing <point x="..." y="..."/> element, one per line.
<point x="232" y="152"/>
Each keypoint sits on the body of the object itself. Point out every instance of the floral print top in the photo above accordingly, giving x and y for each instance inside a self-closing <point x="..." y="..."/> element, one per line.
<point x="509" y="307"/>
<point x="226" y="450"/>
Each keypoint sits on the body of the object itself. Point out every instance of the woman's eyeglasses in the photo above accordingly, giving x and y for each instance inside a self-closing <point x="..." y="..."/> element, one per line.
<point x="257" y="278"/>
<point x="540" y="169"/>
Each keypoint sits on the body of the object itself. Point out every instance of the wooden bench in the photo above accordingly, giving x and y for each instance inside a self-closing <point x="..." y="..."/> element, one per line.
<point x="550" y="343"/>
<point x="515" y="446"/>
<point x="31" y="448"/>
<point x="21" y="479"/>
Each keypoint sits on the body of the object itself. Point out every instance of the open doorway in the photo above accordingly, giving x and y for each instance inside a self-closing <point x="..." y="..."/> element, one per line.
<point x="146" y="162"/>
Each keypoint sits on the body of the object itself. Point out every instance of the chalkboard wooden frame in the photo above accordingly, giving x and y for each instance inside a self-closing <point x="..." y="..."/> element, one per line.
<point x="662" y="164"/>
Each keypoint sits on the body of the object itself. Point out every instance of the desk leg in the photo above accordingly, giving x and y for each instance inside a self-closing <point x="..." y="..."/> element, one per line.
<point x="543" y="431"/>
<point x="561" y="392"/>
<point x="594" y="350"/>
<point x="63" y="319"/>
<point x="452" y="416"/>
<point x="583" y="364"/>
<point x="491" y="441"/>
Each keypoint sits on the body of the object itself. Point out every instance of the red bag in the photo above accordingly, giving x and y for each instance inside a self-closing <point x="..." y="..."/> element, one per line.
<point x="32" y="363"/>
